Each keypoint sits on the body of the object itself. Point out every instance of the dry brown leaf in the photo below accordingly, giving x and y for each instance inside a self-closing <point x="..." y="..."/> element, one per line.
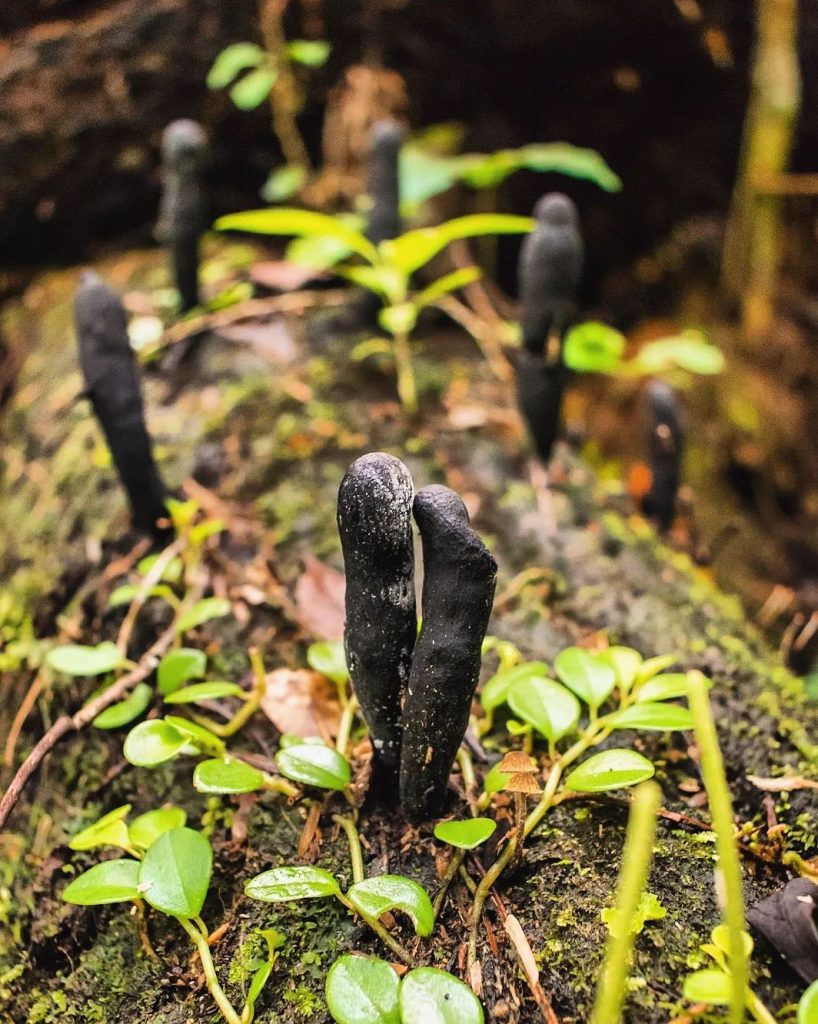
<point x="319" y="600"/>
<point x="782" y="783"/>
<point x="302" y="702"/>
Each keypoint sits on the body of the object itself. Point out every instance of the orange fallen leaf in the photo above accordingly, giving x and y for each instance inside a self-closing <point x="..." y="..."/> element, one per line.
<point x="319" y="600"/>
<point x="302" y="702"/>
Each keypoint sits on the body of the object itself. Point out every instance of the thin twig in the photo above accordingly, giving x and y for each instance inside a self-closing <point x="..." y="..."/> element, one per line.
<point x="152" y="577"/>
<point x="26" y="705"/>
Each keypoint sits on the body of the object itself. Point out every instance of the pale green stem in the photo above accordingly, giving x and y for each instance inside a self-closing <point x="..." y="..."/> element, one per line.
<point x="200" y="942"/>
<point x="721" y="813"/>
<point x="402" y="954"/>
<point x="636" y="858"/>
<point x="345" y="725"/>
<point x="274" y="784"/>
<point x="407" y="391"/>
<point x="354" y="840"/>
<point x="252" y="702"/>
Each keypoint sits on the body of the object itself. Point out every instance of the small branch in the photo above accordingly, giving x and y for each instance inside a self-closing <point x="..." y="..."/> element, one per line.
<point x="345" y="724"/>
<point x="152" y="577"/>
<point x="200" y="942"/>
<point x="483" y="333"/>
<point x="402" y="954"/>
<point x="354" y="840"/>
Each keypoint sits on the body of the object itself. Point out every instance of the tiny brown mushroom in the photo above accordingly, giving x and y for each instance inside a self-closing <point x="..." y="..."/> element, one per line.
<point x="522" y="783"/>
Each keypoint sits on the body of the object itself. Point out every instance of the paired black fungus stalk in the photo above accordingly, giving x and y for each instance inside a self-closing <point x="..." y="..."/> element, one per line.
<point x="415" y="697"/>
<point x="375" y="524"/>
<point x="183" y="210"/>
<point x="384" y="219"/>
<point x="113" y="387"/>
<point x="665" y="450"/>
<point x="550" y="268"/>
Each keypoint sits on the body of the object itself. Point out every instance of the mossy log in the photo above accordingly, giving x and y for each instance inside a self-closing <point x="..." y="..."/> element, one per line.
<point x="270" y="443"/>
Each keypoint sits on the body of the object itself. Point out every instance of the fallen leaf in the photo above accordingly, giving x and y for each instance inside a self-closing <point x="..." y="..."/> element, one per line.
<point x="787" y="921"/>
<point x="782" y="783"/>
<point x="302" y="702"/>
<point x="319" y="600"/>
<point x="283" y="276"/>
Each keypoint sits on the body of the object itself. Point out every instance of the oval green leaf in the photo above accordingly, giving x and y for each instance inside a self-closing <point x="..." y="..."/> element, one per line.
<point x="125" y="711"/>
<point x="252" y="89"/>
<point x="495" y="691"/>
<point x="376" y="896"/>
<point x="204" y="739"/>
<point x="328" y="658"/>
<point x="282" y="885"/>
<point x="314" y="765"/>
<point x="204" y="691"/>
<point x="708" y="987"/>
<point x="617" y="768"/>
<point x="203" y="611"/>
<point x="231" y="61"/>
<point x="362" y="990"/>
<point x="665" y="687"/>
<point x="412" y="250"/>
<point x="310" y="52"/>
<point x="653" y="666"/>
<point x="430" y="996"/>
<point x="590" y="679"/>
<point x="113" y="881"/>
<point x="593" y="348"/>
<point x="175" y="874"/>
<point x="655" y="717"/>
<point x="304" y="223"/>
<point x="495" y="780"/>
<point x="79" y="660"/>
<point x="808" y="1005"/>
<point x="543" y="703"/>
<point x="625" y="662"/>
<point x="179" y="666"/>
<point x="109" y="830"/>
<point x="151" y="743"/>
<point x="465" y="835"/>
<point x="146" y="829"/>
<point x="228" y="777"/>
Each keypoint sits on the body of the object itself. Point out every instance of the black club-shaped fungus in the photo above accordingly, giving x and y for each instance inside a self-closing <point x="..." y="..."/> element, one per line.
<point x="183" y="209"/>
<point x="112" y="384"/>
<point x="375" y="524"/>
<point x="665" y="450"/>
<point x="458" y="590"/>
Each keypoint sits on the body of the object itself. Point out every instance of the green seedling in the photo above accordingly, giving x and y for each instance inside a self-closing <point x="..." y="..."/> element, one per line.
<point x="463" y="836"/>
<point x="369" y="898"/>
<point x="808" y="1005"/>
<point x="716" y="986"/>
<point x="593" y="347"/>
<point x="365" y="990"/>
<point x="388" y="267"/>
<point x="169" y="868"/>
<point x="636" y="859"/>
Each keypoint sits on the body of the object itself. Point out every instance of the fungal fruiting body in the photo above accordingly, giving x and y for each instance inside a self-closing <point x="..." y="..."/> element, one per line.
<point x="183" y="209"/>
<point x="550" y="268"/>
<point x="375" y="524"/>
<point x="665" y="448"/>
<point x="384" y="221"/>
<point x="112" y="384"/>
<point x="458" y="590"/>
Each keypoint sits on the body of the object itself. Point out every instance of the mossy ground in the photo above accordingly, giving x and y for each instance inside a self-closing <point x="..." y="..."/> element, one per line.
<point x="271" y="437"/>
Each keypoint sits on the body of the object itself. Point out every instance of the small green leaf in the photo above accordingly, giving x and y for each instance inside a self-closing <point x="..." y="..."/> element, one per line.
<point x="109" y="830"/>
<point x="653" y="666"/>
<point x="721" y="939"/>
<point x="281" y="885"/>
<point x="125" y="711"/>
<point x="232" y="60"/>
<point x="375" y="896"/>
<point x="649" y="909"/>
<point x="146" y="829"/>
<point x="423" y="175"/>
<point x="593" y="348"/>
<point x="625" y="662"/>
<point x="617" y="768"/>
<point x="203" y="611"/>
<point x="387" y="282"/>
<point x="304" y="223"/>
<point x="465" y="835"/>
<point x="204" y="739"/>
<point x="252" y="89"/>
<point x="175" y="874"/>
<point x="204" y="691"/>
<point x="260" y="979"/>
<point x="126" y="593"/>
<point x="412" y="250"/>
<point x="154" y="742"/>
<point x="323" y="251"/>
<point x="283" y="183"/>
<point x="291" y="739"/>
<point x="656" y="717"/>
<point x="398" y="319"/>
<point x="708" y="987"/>
<point x="172" y="572"/>
<point x="218" y="776"/>
<point x="665" y="687"/>
<point x="808" y="1005"/>
<point x="362" y="990"/>
<point x="590" y="679"/>
<point x="113" y="881"/>
<point x="687" y="351"/>
<point x="314" y="766"/>
<point x="79" y="660"/>
<point x="543" y="703"/>
<point x="430" y="996"/>
<point x="328" y="658"/>
<point x="495" y="691"/>
<point x="179" y="666"/>
<point x="573" y="161"/>
<point x="495" y="781"/>
<point x="310" y="52"/>
<point x="445" y="285"/>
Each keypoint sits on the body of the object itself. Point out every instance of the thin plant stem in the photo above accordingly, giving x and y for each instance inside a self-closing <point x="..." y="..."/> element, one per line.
<point x="274" y="784"/>
<point x="345" y="725"/>
<point x="721" y="812"/>
<point x="252" y="702"/>
<point x="468" y="881"/>
<point x="407" y="391"/>
<point x="354" y="840"/>
<point x="633" y="875"/>
<point x="200" y="942"/>
<point x="402" y="954"/>
<point x="454" y="866"/>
